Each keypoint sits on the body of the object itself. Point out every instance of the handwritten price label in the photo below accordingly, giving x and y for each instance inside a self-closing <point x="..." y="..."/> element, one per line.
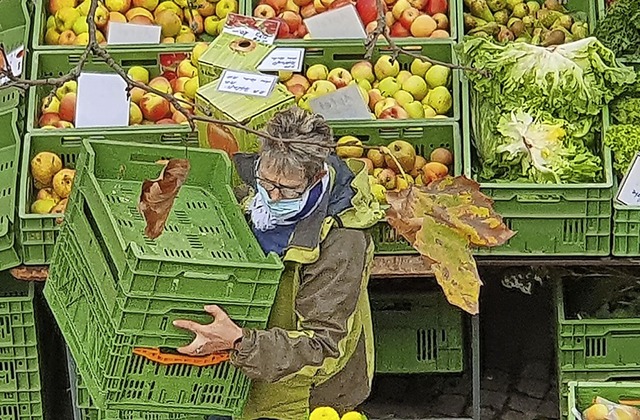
<point x="629" y="192"/>
<point x="343" y="104"/>
<point x="254" y="84"/>
<point x="285" y="59"/>
<point x="262" y="31"/>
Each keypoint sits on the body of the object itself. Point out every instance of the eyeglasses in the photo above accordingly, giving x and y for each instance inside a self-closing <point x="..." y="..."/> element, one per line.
<point x="286" y="192"/>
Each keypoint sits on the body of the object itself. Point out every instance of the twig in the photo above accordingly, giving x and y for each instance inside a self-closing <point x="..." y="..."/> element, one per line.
<point x="381" y="30"/>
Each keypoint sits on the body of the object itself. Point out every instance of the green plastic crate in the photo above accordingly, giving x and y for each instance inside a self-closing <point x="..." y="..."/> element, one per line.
<point x="20" y="389"/>
<point x="600" y="347"/>
<point x="107" y="280"/>
<point x="54" y="64"/>
<point x="345" y="54"/>
<point x="582" y="394"/>
<point x="38" y="233"/>
<point x="425" y="137"/>
<point x="15" y="22"/>
<point x="84" y="408"/>
<point x="550" y="219"/>
<point x="40" y="15"/>
<point x="9" y="161"/>
<point x="590" y="7"/>
<point x="417" y="333"/>
<point x="626" y="230"/>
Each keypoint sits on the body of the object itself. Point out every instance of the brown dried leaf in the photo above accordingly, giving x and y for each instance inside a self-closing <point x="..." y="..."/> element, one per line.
<point x="30" y="273"/>
<point x="442" y="221"/>
<point x="157" y="196"/>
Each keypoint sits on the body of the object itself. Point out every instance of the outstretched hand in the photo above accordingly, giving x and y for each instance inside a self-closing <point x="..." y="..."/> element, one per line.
<point x="218" y="336"/>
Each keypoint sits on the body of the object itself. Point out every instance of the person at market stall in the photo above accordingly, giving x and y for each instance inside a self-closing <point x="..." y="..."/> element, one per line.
<point x="318" y="348"/>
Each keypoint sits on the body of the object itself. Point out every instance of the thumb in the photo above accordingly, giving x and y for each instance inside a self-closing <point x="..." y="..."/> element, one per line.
<point x="217" y="312"/>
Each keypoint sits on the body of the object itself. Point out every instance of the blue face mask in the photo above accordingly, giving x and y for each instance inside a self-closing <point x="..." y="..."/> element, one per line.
<point x="282" y="209"/>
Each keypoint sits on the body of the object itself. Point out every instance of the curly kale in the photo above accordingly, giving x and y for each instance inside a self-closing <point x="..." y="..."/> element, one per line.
<point x="619" y="30"/>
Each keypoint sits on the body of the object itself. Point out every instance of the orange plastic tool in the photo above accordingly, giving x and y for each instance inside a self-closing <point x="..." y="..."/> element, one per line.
<point x="158" y="356"/>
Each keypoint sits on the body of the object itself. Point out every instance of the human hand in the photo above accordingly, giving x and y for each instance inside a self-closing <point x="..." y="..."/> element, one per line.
<point x="218" y="336"/>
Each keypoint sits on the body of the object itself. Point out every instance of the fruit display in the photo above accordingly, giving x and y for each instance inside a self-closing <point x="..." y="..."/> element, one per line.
<point x="384" y="172"/>
<point x="145" y="108"/>
<point x="544" y="24"/>
<point x="328" y="413"/>
<point x="404" y="18"/>
<point x="182" y="21"/>
<point x="603" y="409"/>
<point x="51" y="182"/>
<point x="423" y="91"/>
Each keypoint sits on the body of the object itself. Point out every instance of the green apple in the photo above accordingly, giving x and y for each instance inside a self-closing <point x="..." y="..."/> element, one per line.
<point x="386" y="66"/>
<point x="415" y="109"/>
<point x="317" y="72"/>
<point x="437" y="76"/>
<point x="363" y="70"/>
<point x="389" y="86"/>
<point x="322" y="87"/>
<point x="304" y="101"/>
<point x="429" y="112"/>
<point x="403" y="76"/>
<point x="440" y="100"/>
<point x="384" y="104"/>
<point x="419" y="67"/>
<point x="68" y="87"/>
<point x="416" y="86"/>
<point x="365" y="84"/>
<point x="403" y="97"/>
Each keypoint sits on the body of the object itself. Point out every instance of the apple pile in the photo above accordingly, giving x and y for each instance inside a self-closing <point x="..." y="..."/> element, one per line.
<point x="52" y="183"/>
<point x="405" y="18"/>
<point x="391" y="93"/>
<point x="67" y="21"/>
<point x="145" y="108"/>
<point x="384" y="173"/>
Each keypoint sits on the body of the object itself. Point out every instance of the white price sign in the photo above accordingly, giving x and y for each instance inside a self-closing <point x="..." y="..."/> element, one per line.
<point x="285" y="59"/>
<point x="255" y="84"/>
<point x="629" y="192"/>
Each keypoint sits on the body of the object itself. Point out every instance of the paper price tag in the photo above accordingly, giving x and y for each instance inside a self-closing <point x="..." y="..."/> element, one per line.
<point x="263" y="31"/>
<point x="629" y="192"/>
<point x="343" y="104"/>
<point x="129" y="33"/>
<point x="285" y="59"/>
<point x="99" y="92"/>
<point x="340" y="23"/>
<point x="254" y="84"/>
<point x="16" y="63"/>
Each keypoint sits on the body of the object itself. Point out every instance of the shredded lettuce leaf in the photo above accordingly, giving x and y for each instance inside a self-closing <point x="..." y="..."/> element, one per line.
<point x="569" y="81"/>
<point x="624" y="141"/>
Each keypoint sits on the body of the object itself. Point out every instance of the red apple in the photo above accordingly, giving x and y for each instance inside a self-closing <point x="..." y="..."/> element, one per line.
<point x="49" y="118"/>
<point x="264" y="11"/>
<point x="169" y="75"/>
<point x="302" y="3"/>
<point x="154" y="107"/>
<point x="367" y="10"/>
<point x="395" y="112"/>
<point x="301" y="31"/>
<point x="283" y="30"/>
<point x="68" y="107"/>
<point x="179" y="117"/>
<point x="298" y="79"/>
<point x="162" y="84"/>
<point x="436" y="6"/>
<point x="292" y="19"/>
<point x="277" y="5"/>
<point x="408" y="16"/>
<point x="399" y="31"/>
<point x="418" y="4"/>
<point x="297" y="90"/>
<point x="178" y="84"/>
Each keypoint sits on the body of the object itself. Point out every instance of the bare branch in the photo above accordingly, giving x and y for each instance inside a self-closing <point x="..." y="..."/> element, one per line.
<point x="382" y="31"/>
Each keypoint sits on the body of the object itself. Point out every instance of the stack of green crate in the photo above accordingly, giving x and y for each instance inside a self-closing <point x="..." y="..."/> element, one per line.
<point x="20" y="389"/>
<point x="569" y="220"/>
<point x="112" y="289"/>
<point x="14" y="36"/>
<point x="593" y="349"/>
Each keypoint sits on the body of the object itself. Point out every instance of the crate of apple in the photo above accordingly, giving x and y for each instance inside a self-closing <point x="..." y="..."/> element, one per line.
<point x="181" y="21"/>
<point x="391" y="93"/>
<point x="145" y="108"/>
<point x="384" y="169"/>
<point x="405" y="18"/>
